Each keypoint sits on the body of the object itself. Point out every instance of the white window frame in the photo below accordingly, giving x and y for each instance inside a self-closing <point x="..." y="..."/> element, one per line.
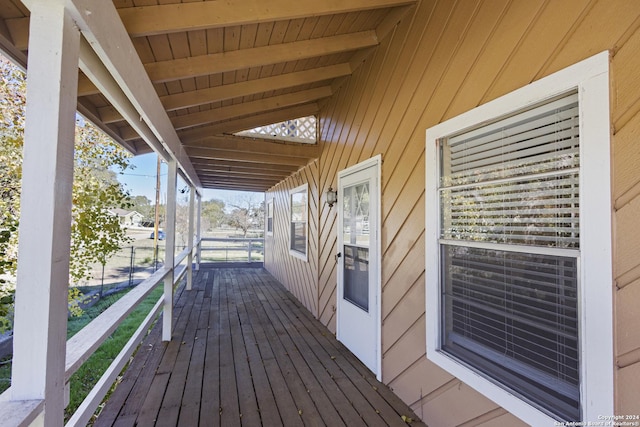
<point x="269" y="211"/>
<point x="303" y="188"/>
<point x="591" y="78"/>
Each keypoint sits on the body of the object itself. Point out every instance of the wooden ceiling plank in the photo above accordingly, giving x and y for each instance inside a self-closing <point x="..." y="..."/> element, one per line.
<point x="254" y="145"/>
<point x="177" y="69"/>
<point x="294" y="31"/>
<point x="250" y="108"/>
<point x="244" y="172"/>
<point x="101" y="27"/>
<point x="251" y="87"/>
<point x="250" y="122"/>
<point x="19" y="31"/>
<point x="243" y="179"/>
<point x="237" y="188"/>
<point x="194" y="98"/>
<point x="197" y="42"/>
<point x="269" y="168"/>
<point x="322" y="27"/>
<point x="145" y="21"/>
<point x="254" y="181"/>
<point x="240" y="185"/>
<point x="7" y="46"/>
<point x="206" y="153"/>
<point x="109" y="114"/>
<point x="264" y="34"/>
<point x="391" y="20"/>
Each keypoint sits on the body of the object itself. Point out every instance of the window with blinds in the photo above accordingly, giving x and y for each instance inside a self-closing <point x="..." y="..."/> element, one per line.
<point x="269" y="223"/>
<point x="509" y="251"/>
<point x="298" y="199"/>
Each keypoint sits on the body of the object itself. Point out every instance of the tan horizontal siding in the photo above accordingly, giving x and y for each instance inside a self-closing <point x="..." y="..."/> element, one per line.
<point x="625" y="114"/>
<point x="442" y="60"/>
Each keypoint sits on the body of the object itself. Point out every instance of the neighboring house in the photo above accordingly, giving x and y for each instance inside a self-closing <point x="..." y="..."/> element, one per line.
<point x="127" y="218"/>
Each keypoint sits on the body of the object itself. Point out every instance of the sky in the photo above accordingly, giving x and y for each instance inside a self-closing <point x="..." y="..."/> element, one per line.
<point x="141" y="181"/>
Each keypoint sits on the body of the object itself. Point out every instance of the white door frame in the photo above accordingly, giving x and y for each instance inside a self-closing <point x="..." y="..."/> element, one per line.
<point x="374" y="264"/>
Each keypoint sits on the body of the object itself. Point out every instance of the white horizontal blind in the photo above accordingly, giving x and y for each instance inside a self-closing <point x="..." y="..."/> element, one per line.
<point x="513" y="315"/>
<point x="515" y="181"/>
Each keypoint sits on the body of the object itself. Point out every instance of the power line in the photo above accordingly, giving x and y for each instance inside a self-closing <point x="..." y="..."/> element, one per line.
<point x="142" y="175"/>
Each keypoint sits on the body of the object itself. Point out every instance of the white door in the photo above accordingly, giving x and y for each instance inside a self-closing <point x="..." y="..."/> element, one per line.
<point x="358" y="312"/>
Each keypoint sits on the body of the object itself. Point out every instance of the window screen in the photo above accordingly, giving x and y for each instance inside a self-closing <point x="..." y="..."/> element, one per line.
<point x="509" y="242"/>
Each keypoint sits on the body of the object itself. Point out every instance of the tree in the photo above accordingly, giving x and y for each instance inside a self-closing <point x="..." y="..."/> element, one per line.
<point x="212" y="215"/>
<point x="95" y="234"/>
<point x="143" y="206"/>
<point x="12" y="109"/>
<point x="246" y="214"/>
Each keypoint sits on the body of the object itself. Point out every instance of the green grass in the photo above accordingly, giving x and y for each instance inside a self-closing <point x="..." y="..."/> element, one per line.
<point x="5" y="374"/>
<point x="90" y="372"/>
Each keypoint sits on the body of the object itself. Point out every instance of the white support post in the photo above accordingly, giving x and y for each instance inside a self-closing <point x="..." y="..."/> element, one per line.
<point x="169" y="257"/>
<point x="192" y="192"/>
<point x="198" y="233"/>
<point x="40" y="332"/>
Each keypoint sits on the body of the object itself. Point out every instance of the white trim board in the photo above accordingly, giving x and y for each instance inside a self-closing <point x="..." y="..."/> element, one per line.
<point x="591" y="78"/>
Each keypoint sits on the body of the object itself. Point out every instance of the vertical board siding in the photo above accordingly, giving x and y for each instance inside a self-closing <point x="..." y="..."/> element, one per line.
<point x="298" y="276"/>
<point x="443" y="59"/>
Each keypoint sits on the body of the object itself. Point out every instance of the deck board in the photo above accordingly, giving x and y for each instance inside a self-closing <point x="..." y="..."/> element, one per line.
<point x="246" y="352"/>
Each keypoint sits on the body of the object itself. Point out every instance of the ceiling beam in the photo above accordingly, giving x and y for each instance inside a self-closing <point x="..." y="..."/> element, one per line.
<point x="243" y="181"/>
<point x="244" y="123"/>
<point x="102" y="28"/>
<point x="127" y="133"/>
<point x="252" y="87"/>
<point x="109" y="114"/>
<point x="203" y="165"/>
<point x="145" y="21"/>
<point x="243" y="156"/>
<point x="86" y="86"/>
<point x="151" y="20"/>
<point x="242" y="173"/>
<point x="204" y="65"/>
<point x="259" y="146"/>
<point x="237" y="187"/>
<point x="250" y="108"/>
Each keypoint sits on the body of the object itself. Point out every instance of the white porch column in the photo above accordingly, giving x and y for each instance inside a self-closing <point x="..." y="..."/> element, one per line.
<point x="40" y="331"/>
<point x="198" y="232"/>
<point x="170" y="246"/>
<point x="192" y="198"/>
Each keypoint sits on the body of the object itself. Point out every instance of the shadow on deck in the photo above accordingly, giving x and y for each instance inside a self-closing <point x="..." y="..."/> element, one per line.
<point x="245" y="352"/>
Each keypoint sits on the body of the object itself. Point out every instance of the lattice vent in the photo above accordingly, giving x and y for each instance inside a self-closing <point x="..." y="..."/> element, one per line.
<point x="299" y="130"/>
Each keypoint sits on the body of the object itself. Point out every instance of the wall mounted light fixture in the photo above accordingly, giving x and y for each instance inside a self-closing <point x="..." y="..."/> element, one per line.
<point x="332" y="197"/>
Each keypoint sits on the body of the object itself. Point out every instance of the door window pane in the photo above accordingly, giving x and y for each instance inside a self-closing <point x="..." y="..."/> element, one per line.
<point x="356" y="276"/>
<point x="355" y="206"/>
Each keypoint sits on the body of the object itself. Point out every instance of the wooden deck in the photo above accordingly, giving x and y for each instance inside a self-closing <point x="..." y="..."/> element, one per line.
<point x="245" y="352"/>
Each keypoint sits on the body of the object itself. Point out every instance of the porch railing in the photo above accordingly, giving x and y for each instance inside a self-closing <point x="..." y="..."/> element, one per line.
<point x="233" y="249"/>
<point x="83" y="344"/>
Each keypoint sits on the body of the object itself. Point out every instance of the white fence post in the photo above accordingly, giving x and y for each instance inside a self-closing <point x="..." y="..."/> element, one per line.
<point x="199" y="233"/>
<point x="170" y="245"/>
<point x="192" y="199"/>
<point x="40" y="331"/>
